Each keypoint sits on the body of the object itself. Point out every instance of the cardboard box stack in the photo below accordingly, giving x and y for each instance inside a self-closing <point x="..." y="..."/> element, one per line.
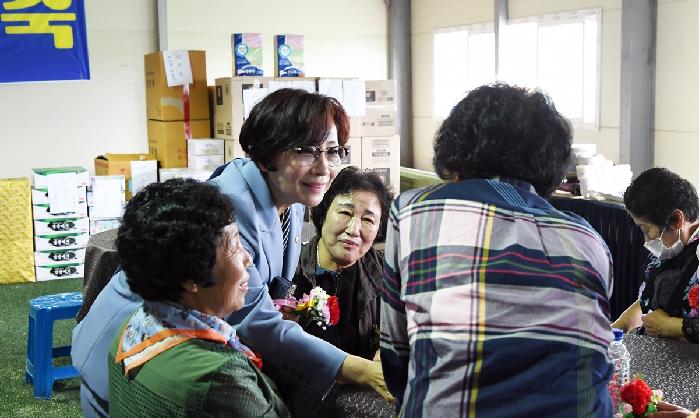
<point x="235" y="98"/>
<point x="138" y="170"/>
<point x="61" y="223"/>
<point x="232" y="95"/>
<point x="175" y="114"/>
<point x="106" y="198"/>
<point x="380" y="142"/>
<point x="205" y="154"/>
<point x="351" y="94"/>
<point x="16" y="241"/>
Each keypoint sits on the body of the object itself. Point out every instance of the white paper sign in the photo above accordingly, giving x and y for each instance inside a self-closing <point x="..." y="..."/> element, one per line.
<point x="178" y="71"/>
<point x="354" y="97"/>
<point x="107" y="197"/>
<point x="251" y="97"/>
<point x="63" y="192"/>
<point x="274" y="85"/>
<point x="331" y="88"/>
<point x="143" y="173"/>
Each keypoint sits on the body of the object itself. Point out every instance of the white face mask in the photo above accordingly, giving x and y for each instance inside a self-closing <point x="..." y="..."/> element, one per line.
<point x="662" y="252"/>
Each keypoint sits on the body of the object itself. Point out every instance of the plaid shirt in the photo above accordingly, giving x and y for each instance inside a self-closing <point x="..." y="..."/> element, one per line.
<point x="494" y="304"/>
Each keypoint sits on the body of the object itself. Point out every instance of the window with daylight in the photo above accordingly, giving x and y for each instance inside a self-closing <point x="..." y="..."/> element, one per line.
<point x="463" y="58"/>
<point x="558" y="53"/>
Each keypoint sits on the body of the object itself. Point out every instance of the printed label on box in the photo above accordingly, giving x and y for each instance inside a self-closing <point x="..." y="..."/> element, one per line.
<point x="49" y="258"/>
<point x="66" y="225"/>
<point x="61" y="242"/>
<point x="43" y="212"/>
<point x="60" y="271"/>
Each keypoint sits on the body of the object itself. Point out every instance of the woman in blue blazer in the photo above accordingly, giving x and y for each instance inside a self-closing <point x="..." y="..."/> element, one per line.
<point x="295" y="141"/>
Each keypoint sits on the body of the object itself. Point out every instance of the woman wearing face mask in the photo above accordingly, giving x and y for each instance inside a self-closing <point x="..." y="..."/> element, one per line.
<point x="665" y="206"/>
<point x="341" y="260"/>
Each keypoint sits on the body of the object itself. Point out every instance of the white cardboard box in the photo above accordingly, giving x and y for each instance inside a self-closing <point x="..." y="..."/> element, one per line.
<point x="183" y="173"/>
<point x="40" y="196"/>
<point x="61" y="226"/>
<point x="233" y="149"/>
<point x="205" y="146"/>
<point x="50" y="258"/>
<point x="380" y="93"/>
<point x="228" y="104"/>
<point x="60" y="271"/>
<point x="379" y="121"/>
<point x="165" y="174"/>
<point x="355" y="126"/>
<point x="383" y="156"/>
<point x="42" y="212"/>
<point x="104" y="224"/>
<point x="40" y="176"/>
<point x="60" y="241"/>
<point x="204" y="162"/>
<point x="107" y="196"/>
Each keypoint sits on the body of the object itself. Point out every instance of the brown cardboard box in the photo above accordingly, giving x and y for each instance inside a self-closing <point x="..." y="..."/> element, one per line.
<point x="383" y="156"/>
<point x="166" y="103"/>
<point x="229" y="111"/>
<point x="380" y="93"/>
<point x="379" y="121"/>
<point x="167" y="142"/>
<point x="119" y="165"/>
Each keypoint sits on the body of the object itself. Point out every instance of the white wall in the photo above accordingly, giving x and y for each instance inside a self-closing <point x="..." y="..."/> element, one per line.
<point x="58" y="124"/>
<point x="427" y="15"/>
<point x="342" y="38"/>
<point x="69" y="123"/>
<point x="676" y="121"/>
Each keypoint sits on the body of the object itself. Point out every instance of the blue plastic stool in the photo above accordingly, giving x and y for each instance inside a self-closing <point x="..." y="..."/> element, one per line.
<point x="43" y="311"/>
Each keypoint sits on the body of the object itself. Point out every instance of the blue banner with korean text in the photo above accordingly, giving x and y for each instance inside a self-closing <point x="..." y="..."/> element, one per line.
<point x="43" y="40"/>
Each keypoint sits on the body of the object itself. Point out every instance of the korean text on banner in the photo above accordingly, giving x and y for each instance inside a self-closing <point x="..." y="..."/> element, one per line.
<point x="42" y="40"/>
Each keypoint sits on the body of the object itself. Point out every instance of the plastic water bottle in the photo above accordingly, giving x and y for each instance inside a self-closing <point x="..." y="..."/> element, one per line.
<point x="620" y="358"/>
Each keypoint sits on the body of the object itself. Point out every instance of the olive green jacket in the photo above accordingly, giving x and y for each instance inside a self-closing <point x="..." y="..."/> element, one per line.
<point x="195" y="378"/>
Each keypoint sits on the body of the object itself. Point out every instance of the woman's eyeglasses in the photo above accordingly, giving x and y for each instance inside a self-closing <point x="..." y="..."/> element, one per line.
<point x="307" y="154"/>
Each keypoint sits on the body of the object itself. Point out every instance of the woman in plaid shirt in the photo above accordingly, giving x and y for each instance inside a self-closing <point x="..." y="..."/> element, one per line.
<point x="495" y="304"/>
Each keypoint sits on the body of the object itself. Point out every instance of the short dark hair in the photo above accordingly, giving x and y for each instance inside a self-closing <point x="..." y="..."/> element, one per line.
<point x="351" y="179"/>
<point x="504" y="131"/>
<point x="289" y="118"/>
<point x="170" y="233"/>
<point x="657" y="192"/>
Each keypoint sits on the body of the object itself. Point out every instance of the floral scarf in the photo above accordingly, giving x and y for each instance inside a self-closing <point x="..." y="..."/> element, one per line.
<point x="158" y="326"/>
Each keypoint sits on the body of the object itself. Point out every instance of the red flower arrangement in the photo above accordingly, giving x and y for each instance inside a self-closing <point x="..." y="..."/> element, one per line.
<point x="334" y="309"/>
<point x="640" y="397"/>
<point x="693" y="297"/>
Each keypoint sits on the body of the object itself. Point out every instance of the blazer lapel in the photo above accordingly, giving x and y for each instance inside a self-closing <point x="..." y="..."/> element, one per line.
<point x="268" y="222"/>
